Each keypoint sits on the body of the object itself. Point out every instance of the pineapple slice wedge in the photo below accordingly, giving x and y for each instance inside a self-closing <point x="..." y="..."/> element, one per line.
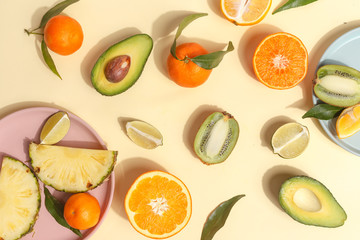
<point x="19" y="199"/>
<point x="71" y="169"/>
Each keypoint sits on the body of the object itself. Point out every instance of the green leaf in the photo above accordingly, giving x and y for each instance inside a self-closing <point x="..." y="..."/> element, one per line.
<point x="207" y="61"/>
<point x="186" y="21"/>
<point x="56" y="10"/>
<point x="48" y="59"/>
<point x="212" y="60"/>
<point x="323" y="111"/>
<point x="56" y="209"/>
<point x="216" y="219"/>
<point x="293" y="4"/>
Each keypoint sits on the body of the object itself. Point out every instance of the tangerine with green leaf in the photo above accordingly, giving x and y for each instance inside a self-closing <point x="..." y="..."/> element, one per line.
<point x="63" y="35"/>
<point x="189" y="64"/>
<point x="185" y="72"/>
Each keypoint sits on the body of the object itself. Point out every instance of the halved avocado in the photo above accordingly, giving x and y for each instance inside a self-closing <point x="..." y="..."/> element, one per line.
<point x="308" y="201"/>
<point x="121" y="65"/>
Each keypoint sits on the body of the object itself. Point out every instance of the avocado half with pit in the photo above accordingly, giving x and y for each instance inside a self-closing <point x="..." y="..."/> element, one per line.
<point x="338" y="85"/>
<point x="309" y="202"/>
<point x="121" y="65"/>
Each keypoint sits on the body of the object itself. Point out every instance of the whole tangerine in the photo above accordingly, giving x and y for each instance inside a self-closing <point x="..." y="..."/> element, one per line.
<point x="63" y="35"/>
<point x="82" y="211"/>
<point x="184" y="72"/>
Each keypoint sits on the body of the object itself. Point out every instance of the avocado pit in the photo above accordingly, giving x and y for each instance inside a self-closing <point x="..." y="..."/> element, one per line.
<point x="307" y="200"/>
<point x="117" y="68"/>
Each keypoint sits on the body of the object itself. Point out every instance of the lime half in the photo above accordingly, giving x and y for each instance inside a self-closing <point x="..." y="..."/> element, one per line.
<point x="55" y="128"/>
<point x="290" y="140"/>
<point x="144" y="134"/>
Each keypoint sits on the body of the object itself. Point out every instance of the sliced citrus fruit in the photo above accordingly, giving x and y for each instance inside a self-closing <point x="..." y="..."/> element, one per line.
<point x="290" y="140"/>
<point x="348" y="123"/>
<point x="158" y="204"/>
<point x="55" y="128"/>
<point x="71" y="169"/>
<point x="19" y="199"/>
<point x="144" y="134"/>
<point x="280" y="61"/>
<point x="245" y="12"/>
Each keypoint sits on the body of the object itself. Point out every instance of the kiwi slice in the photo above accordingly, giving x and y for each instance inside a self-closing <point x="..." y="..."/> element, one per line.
<point x="216" y="138"/>
<point x="338" y="85"/>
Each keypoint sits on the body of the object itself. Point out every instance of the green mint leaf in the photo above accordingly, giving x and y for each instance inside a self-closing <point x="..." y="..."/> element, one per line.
<point x="186" y="21"/>
<point x="212" y="60"/>
<point x="323" y="111"/>
<point x="56" y="209"/>
<point x="56" y="10"/>
<point x="48" y="59"/>
<point x="217" y="218"/>
<point x="293" y="4"/>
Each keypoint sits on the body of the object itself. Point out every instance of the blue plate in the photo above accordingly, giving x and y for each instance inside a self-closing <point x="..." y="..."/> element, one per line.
<point x="343" y="51"/>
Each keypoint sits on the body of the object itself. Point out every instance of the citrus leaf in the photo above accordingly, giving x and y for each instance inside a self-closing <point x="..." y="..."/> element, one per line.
<point x="56" y="209"/>
<point x="186" y="21"/>
<point x="57" y="9"/>
<point x="323" y="111"/>
<point x="212" y="60"/>
<point x="217" y="217"/>
<point x="48" y="59"/>
<point x="293" y="4"/>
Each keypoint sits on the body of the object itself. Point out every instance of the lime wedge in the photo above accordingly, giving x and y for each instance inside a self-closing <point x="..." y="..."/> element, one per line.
<point x="55" y="128"/>
<point x="290" y="140"/>
<point x="144" y="134"/>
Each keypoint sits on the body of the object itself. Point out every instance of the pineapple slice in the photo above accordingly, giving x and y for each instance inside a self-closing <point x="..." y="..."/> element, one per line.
<point x="70" y="169"/>
<point x="19" y="199"/>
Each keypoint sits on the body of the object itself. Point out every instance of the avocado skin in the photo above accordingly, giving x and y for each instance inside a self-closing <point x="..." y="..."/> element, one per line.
<point x="138" y="47"/>
<point x="331" y="214"/>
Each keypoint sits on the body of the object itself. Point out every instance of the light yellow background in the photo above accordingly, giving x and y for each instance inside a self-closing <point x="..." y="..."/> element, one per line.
<point x="252" y="168"/>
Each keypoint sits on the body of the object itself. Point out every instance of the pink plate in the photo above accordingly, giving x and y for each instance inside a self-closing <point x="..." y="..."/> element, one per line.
<point x="20" y="128"/>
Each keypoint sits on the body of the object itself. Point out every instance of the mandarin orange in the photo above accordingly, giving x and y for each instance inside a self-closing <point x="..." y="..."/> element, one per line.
<point x="63" y="35"/>
<point x="184" y="72"/>
<point x="82" y="211"/>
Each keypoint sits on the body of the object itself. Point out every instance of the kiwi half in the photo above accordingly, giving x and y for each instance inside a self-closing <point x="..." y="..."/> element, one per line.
<point x="216" y="138"/>
<point x="338" y="85"/>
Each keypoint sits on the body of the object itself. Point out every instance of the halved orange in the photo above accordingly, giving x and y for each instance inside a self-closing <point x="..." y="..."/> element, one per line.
<point x="280" y="61"/>
<point x="245" y="12"/>
<point x="348" y="123"/>
<point x="158" y="205"/>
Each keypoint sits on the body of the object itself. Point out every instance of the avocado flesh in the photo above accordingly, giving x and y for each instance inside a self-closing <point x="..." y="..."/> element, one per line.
<point x="309" y="202"/>
<point x="138" y="47"/>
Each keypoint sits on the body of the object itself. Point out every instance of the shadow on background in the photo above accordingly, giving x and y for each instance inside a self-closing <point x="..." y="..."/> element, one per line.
<point x="4" y="111"/>
<point x="126" y="172"/>
<point x="193" y="124"/>
<point x="270" y="127"/>
<point x="273" y="179"/>
<point x="249" y="42"/>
